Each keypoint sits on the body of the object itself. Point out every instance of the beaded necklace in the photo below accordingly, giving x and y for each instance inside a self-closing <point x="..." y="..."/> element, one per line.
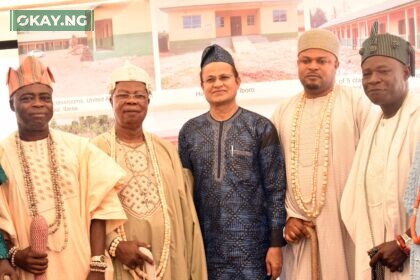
<point x="167" y="223"/>
<point x="324" y="125"/>
<point x="30" y="192"/>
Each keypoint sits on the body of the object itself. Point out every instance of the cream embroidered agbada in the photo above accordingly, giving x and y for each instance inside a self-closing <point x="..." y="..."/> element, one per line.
<point x="88" y="181"/>
<point x="142" y="202"/>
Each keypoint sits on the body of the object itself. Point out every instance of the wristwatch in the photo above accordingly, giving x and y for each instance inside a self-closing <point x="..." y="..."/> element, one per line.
<point x="100" y="258"/>
<point x="407" y="240"/>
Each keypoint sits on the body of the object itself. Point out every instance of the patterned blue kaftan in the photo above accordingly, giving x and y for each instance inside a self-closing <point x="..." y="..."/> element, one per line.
<point x="239" y="190"/>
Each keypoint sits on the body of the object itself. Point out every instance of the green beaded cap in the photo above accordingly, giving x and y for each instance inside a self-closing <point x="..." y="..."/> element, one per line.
<point x="388" y="45"/>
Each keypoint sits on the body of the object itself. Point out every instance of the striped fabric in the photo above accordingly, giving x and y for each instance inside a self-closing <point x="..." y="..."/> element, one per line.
<point x="31" y="71"/>
<point x="388" y="45"/>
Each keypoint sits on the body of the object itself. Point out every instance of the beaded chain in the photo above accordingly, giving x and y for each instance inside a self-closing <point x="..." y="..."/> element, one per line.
<point x="324" y="124"/>
<point x="30" y="192"/>
<point x="167" y="223"/>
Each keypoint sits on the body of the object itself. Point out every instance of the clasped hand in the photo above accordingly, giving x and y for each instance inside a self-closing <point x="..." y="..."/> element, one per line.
<point x="128" y="253"/>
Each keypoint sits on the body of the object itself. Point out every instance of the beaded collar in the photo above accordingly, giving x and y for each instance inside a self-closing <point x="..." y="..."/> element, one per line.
<point x="31" y="194"/>
<point x="314" y="209"/>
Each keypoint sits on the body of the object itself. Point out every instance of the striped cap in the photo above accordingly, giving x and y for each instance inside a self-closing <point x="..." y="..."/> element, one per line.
<point x="31" y="71"/>
<point x="388" y="45"/>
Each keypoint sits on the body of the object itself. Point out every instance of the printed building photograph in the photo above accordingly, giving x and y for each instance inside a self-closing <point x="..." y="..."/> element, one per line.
<point x="81" y="61"/>
<point x="399" y="17"/>
<point x="245" y="28"/>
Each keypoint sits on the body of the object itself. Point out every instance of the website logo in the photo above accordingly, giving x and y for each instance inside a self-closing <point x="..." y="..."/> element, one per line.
<point x="51" y="20"/>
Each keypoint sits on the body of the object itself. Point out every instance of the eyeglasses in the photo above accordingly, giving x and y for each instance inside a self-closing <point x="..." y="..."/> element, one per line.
<point x="210" y="80"/>
<point x="122" y="96"/>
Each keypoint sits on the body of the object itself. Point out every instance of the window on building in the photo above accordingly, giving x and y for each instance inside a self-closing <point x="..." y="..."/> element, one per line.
<point x="250" y="20"/>
<point x="191" y="22"/>
<point x="401" y="27"/>
<point x="220" y="22"/>
<point x="279" y="15"/>
<point x="103" y="34"/>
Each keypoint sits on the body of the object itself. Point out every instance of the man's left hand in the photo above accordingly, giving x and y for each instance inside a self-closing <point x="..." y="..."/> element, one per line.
<point x="96" y="276"/>
<point x="274" y="262"/>
<point x="389" y="255"/>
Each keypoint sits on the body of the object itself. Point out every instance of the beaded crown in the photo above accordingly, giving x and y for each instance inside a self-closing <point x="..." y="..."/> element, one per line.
<point x="31" y="71"/>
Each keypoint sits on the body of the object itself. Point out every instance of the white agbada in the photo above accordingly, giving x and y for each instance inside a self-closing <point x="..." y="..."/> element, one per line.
<point x="350" y="112"/>
<point x="392" y="211"/>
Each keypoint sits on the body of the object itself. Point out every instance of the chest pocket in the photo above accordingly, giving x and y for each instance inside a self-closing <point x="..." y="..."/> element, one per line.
<point x="243" y="162"/>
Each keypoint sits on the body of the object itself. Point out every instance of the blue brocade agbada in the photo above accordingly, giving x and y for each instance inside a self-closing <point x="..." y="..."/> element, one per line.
<point x="239" y="190"/>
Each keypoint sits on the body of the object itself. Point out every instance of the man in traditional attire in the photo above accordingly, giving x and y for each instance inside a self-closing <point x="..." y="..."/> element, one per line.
<point x="235" y="159"/>
<point x="319" y="130"/>
<point x="155" y="196"/>
<point x="372" y="205"/>
<point x="60" y="177"/>
<point x="412" y="203"/>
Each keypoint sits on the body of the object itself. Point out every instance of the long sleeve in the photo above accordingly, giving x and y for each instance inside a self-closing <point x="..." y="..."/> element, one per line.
<point x="273" y="172"/>
<point x="183" y="149"/>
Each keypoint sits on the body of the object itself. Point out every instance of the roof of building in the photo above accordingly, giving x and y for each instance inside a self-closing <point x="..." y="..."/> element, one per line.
<point x="170" y="4"/>
<point x="375" y="9"/>
<point x="70" y="4"/>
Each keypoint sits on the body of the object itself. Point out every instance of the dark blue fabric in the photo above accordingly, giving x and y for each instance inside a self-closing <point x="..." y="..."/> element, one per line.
<point x="241" y="204"/>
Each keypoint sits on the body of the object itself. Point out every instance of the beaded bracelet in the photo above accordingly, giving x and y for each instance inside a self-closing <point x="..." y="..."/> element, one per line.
<point x="114" y="244"/>
<point x="98" y="264"/>
<point x="12" y="254"/>
<point x="4" y="253"/>
<point x="102" y="270"/>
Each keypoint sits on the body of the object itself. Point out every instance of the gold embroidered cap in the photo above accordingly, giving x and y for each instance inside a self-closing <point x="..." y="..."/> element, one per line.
<point x="31" y="71"/>
<point x="388" y="45"/>
<point x="319" y="39"/>
<point x="129" y="72"/>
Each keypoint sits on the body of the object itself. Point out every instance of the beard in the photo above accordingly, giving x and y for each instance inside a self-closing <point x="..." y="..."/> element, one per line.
<point x="312" y="86"/>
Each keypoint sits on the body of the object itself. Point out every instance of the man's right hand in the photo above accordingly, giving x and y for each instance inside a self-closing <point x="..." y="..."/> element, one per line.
<point x="128" y="253"/>
<point x="296" y="229"/>
<point x="31" y="262"/>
